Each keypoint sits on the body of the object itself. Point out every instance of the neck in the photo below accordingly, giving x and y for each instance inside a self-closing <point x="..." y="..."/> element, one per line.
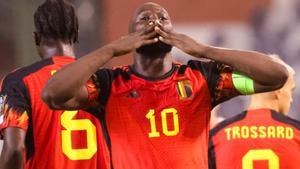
<point x="154" y="67"/>
<point x="48" y="50"/>
<point x="263" y="103"/>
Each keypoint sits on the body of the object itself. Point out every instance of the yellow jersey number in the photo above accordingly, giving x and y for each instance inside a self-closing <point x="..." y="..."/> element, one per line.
<point x="260" y="154"/>
<point x="70" y="125"/>
<point x="66" y="120"/>
<point x="151" y="117"/>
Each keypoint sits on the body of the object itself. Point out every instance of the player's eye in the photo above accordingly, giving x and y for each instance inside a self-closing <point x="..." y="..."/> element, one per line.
<point x="145" y="18"/>
<point x="162" y="18"/>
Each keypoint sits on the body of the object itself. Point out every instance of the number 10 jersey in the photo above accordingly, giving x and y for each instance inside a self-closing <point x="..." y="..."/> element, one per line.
<point x="159" y="123"/>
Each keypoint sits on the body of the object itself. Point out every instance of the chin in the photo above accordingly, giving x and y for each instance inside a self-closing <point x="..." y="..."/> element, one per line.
<point x="159" y="48"/>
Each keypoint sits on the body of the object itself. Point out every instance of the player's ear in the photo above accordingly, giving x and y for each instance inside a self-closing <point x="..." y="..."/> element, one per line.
<point x="278" y="94"/>
<point x="37" y="38"/>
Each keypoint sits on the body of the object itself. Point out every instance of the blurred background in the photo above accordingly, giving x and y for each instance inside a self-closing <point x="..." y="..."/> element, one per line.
<point x="270" y="26"/>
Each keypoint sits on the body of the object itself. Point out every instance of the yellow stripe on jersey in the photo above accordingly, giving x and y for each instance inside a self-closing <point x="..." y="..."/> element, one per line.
<point x="181" y="88"/>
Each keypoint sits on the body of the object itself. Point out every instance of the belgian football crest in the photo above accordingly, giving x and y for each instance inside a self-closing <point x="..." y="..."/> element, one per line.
<point x="184" y="89"/>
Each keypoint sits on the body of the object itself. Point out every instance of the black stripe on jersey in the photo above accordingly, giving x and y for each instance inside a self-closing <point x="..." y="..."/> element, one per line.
<point x="16" y="79"/>
<point x="211" y="155"/>
<point x="285" y="119"/>
<point x="227" y="122"/>
<point x="29" y="140"/>
<point x="182" y="69"/>
<point x="208" y="69"/>
<point x="106" y="134"/>
<point x="103" y="79"/>
<point x="18" y="75"/>
<point x="214" y="131"/>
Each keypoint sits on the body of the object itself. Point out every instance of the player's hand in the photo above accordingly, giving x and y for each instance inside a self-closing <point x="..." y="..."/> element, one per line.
<point x="181" y="41"/>
<point x="131" y="42"/>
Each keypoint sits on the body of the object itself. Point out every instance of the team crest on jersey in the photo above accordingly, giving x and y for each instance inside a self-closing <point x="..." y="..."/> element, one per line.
<point x="184" y="89"/>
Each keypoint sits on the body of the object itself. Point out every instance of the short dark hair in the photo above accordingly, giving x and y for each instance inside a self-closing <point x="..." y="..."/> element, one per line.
<point x="56" y="19"/>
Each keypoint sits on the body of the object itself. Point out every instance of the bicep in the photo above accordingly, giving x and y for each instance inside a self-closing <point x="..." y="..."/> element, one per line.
<point x="247" y="86"/>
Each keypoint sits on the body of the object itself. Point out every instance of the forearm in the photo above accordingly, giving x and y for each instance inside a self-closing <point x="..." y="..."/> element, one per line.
<point x="13" y="153"/>
<point x="261" y="68"/>
<point x="12" y="159"/>
<point x="66" y="82"/>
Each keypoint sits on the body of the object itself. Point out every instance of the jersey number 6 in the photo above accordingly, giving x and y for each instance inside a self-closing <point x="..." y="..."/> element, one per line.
<point x="70" y="125"/>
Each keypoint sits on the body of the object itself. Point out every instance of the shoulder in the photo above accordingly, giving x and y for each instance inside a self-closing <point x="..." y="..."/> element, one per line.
<point x="227" y="122"/>
<point x="113" y="73"/>
<point x="16" y="77"/>
<point x="27" y="70"/>
<point x="285" y="119"/>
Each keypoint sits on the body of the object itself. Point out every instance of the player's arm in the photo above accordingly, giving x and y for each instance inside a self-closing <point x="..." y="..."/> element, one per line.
<point x="12" y="156"/>
<point x="266" y="73"/>
<point x="14" y="105"/>
<point x="66" y="89"/>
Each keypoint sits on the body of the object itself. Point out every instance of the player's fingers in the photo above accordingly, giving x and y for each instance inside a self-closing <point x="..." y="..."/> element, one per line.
<point x="149" y="41"/>
<point x="150" y="35"/>
<point x="161" y="32"/>
<point x="148" y="28"/>
<point x="167" y="41"/>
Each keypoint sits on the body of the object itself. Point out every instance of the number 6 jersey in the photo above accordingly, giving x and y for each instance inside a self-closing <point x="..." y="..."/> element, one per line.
<point x="255" y="139"/>
<point x="54" y="139"/>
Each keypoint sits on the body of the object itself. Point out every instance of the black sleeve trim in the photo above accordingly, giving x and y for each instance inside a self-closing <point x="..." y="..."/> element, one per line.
<point x="211" y="155"/>
<point x="208" y="69"/>
<point x="214" y="131"/>
<point x="103" y="79"/>
<point x="227" y="122"/>
<point x="29" y="140"/>
<point x="13" y="84"/>
<point x="285" y="119"/>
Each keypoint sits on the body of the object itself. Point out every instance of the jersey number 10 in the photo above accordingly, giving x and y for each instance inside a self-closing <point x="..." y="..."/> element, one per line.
<point x="151" y="117"/>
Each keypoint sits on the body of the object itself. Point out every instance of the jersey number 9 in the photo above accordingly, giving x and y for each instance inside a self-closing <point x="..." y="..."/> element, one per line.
<point x="260" y="154"/>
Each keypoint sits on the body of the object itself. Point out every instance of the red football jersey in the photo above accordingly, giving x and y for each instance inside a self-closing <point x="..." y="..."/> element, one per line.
<point x="256" y="139"/>
<point x="159" y="123"/>
<point x="54" y="139"/>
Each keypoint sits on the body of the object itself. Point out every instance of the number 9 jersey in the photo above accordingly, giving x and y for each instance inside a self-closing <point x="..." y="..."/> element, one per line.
<point x="54" y="139"/>
<point x="255" y="139"/>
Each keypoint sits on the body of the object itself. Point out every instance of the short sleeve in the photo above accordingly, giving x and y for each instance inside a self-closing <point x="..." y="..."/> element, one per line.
<point x="14" y="104"/>
<point x="219" y="80"/>
<point x="99" y="86"/>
